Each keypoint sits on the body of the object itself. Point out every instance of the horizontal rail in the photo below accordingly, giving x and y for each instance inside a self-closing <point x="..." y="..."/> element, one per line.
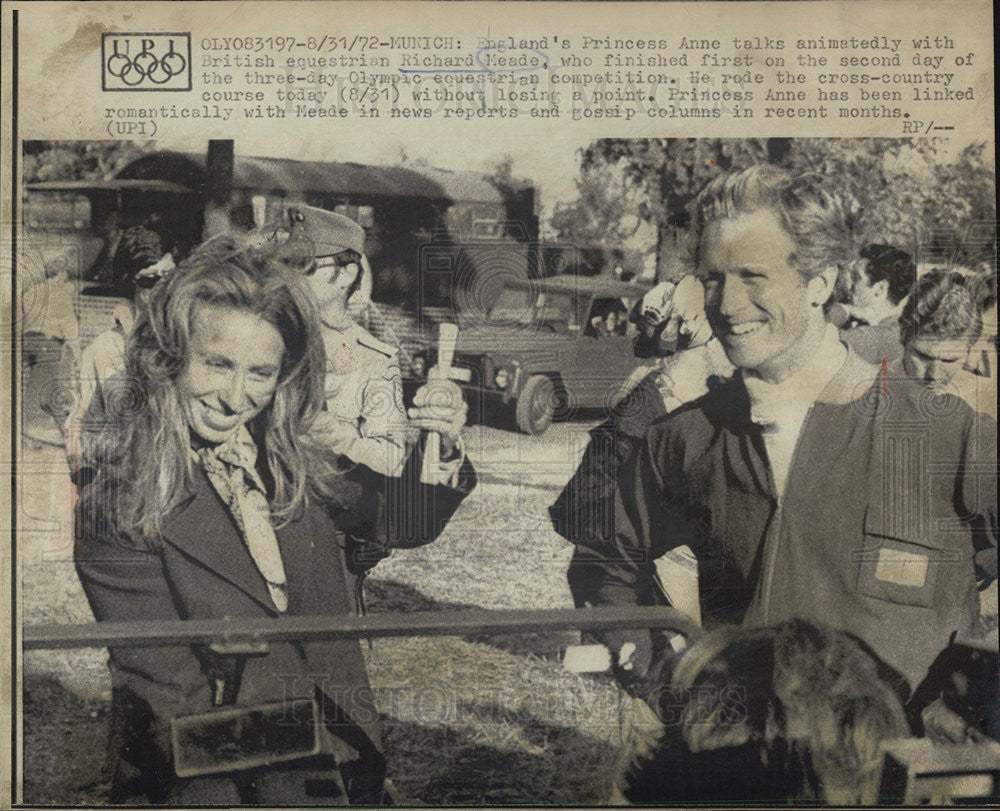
<point x="418" y="623"/>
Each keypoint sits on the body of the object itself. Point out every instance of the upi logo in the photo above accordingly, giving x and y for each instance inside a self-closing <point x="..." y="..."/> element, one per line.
<point x="146" y="61"/>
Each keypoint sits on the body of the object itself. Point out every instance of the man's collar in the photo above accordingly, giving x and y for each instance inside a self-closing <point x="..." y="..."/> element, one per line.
<point x="773" y="402"/>
<point x="730" y="404"/>
<point x="889" y="318"/>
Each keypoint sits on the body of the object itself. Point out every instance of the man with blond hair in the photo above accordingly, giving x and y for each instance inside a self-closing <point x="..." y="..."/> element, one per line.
<point x="811" y="485"/>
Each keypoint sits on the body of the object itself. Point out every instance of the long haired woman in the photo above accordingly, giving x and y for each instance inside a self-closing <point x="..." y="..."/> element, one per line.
<point x="209" y="503"/>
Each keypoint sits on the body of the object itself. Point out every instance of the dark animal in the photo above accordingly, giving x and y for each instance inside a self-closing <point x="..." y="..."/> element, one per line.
<point x="792" y="712"/>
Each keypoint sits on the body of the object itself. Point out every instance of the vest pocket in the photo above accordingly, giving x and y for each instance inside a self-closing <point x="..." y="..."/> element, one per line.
<point x="898" y="569"/>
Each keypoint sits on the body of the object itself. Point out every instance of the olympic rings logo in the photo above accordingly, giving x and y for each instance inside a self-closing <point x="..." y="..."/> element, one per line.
<point x="132" y="68"/>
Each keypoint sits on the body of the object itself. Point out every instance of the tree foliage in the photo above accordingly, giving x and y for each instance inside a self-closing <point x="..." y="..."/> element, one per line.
<point x="501" y="172"/>
<point x="79" y="160"/>
<point x="910" y="191"/>
<point x="609" y="209"/>
<point x="670" y="171"/>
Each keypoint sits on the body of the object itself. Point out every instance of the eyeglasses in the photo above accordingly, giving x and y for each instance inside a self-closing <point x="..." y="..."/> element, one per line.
<point x="340" y="260"/>
<point x="337" y="261"/>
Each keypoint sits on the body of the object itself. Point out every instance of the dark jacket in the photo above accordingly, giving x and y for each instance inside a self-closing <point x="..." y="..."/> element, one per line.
<point x="876" y="343"/>
<point x="582" y="512"/>
<point x="888" y="517"/>
<point x="201" y="569"/>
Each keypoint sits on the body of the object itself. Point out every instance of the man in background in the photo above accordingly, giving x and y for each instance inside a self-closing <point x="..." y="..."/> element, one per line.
<point x="365" y="418"/>
<point x="880" y="285"/>
<point x="939" y="327"/>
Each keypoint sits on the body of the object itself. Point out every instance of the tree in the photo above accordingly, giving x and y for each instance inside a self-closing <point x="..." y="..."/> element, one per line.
<point x="660" y="176"/>
<point x="672" y="170"/>
<point x="608" y="210"/>
<point x="520" y="215"/>
<point x="79" y="160"/>
<point x="910" y="191"/>
<point x="501" y="173"/>
<point x="607" y="215"/>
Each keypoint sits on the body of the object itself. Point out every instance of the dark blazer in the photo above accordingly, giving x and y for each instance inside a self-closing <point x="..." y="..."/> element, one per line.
<point x="201" y="569"/>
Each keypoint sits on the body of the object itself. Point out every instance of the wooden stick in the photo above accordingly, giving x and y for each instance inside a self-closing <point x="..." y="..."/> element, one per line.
<point x="447" y="341"/>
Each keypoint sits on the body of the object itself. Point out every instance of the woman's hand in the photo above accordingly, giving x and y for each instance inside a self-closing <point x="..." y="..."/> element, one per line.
<point x="439" y="406"/>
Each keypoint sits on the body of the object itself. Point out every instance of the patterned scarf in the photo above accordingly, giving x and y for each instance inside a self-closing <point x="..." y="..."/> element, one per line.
<point x="232" y="469"/>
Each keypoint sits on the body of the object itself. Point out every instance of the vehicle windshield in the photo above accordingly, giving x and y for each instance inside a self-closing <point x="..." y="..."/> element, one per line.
<point x="523" y="306"/>
<point x="608" y="318"/>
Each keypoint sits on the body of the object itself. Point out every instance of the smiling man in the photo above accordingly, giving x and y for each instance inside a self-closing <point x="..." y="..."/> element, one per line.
<point x="811" y="485"/>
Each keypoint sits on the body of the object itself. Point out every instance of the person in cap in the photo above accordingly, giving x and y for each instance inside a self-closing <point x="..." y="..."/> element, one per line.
<point x="366" y="420"/>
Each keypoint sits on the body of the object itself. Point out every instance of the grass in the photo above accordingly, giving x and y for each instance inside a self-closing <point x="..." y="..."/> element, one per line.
<point x="469" y="723"/>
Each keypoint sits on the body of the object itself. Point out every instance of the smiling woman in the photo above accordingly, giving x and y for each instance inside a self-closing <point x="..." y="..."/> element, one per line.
<point x="219" y="344"/>
<point x="209" y="502"/>
<point x="232" y="373"/>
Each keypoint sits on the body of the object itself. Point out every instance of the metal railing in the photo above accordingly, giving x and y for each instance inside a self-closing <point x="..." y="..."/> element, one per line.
<point x="420" y="623"/>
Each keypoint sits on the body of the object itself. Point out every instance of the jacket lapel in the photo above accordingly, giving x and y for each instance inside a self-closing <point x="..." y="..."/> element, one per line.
<point x="203" y="530"/>
<point x="743" y="447"/>
<point x="748" y="486"/>
<point x="296" y="541"/>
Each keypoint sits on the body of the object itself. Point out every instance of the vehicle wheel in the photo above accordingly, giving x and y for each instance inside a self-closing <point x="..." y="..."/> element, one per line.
<point x="536" y="405"/>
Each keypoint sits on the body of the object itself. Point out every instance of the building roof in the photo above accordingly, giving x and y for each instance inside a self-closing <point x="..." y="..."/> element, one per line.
<point x="322" y="177"/>
<point x="109" y="185"/>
